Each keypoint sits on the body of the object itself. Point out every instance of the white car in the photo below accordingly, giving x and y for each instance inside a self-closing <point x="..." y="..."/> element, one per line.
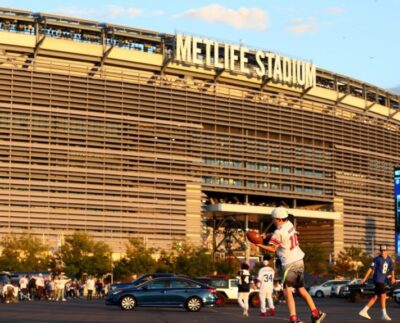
<point x="324" y="289"/>
<point x="337" y="289"/>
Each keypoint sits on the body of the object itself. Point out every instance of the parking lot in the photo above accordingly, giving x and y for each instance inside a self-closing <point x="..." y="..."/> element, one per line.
<point x="76" y="310"/>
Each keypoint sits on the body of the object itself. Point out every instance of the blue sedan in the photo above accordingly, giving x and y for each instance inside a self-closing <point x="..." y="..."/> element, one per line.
<point x="165" y="292"/>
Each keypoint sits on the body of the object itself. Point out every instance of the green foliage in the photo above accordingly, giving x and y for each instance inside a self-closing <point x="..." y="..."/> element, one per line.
<point x="229" y="266"/>
<point x="351" y="262"/>
<point x="315" y="259"/>
<point x="23" y="253"/>
<point x="138" y="260"/>
<point x="82" y="255"/>
<point x="192" y="261"/>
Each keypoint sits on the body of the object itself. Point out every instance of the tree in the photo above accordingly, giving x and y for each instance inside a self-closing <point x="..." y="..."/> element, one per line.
<point x="23" y="253"/>
<point x="82" y="255"/>
<point x="351" y="262"/>
<point x="192" y="261"/>
<point x="315" y="259"/>
<point x="138" y="260"/>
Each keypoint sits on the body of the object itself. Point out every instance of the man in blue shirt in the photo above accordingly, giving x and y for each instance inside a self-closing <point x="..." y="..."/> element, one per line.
<point x="382" y="265"/>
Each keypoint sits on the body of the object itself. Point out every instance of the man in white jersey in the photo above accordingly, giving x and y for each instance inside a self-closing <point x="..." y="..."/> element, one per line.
<point x="265" y="282"/>
<point x="284" y="242"/>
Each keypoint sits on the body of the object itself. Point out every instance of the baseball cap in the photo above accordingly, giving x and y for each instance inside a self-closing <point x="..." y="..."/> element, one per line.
<point x="279" y="213"/>
<point x="382" y="247"/>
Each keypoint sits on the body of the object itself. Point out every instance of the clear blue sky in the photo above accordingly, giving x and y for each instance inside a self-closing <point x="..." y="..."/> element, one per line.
<point x="357" y="38"/>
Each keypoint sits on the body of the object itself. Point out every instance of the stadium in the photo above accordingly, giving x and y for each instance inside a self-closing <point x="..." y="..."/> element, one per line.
<point x="123" y="132"/>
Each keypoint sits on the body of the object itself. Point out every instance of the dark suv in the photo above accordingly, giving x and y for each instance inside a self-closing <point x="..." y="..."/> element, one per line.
<point x="140" y="280"/>
<point x="356" y="291"/>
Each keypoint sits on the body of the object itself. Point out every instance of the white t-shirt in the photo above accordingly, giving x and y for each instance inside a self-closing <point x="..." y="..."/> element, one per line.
<point x="90" y="284"/>
<point x="265" y="278"/>
<point x="40" y="282"/>
<point x="23" y="283"/>
<point x="285" y="239"/>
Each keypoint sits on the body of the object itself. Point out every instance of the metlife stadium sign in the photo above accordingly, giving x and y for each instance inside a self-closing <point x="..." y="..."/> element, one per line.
<point x="397" y="206"/>
<point x="233" y="58"/>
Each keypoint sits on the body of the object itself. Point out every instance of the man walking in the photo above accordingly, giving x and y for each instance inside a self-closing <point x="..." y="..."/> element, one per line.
<point x="381" y="266"/>
<point x="244" y="285"/>
<point x="284" y="242"/>
<point x="265" y="282"/>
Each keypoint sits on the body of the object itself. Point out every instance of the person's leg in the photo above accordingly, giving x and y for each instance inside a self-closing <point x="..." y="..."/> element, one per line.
<point x="270" y="303"/>
<point x="364" y="311"/>
<point x="307" y="298"/>
<point x="288" y="291"/>
<point x="262" y="296"/>
<point x="241" y="300"/>
<point x="385" y="316"/>
<point x="246" y="301"/>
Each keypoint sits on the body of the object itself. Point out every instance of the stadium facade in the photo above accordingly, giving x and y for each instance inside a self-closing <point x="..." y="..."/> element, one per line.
<point x="124" y="132"/>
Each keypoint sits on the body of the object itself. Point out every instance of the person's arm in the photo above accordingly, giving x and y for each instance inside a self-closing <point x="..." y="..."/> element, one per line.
<point x="268" y="248"/>
<point x="370" y="270"/>
<point x="393" y="278"/>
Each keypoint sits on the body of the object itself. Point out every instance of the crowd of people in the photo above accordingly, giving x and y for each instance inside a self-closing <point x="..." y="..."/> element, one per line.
<point x="60" y="288"/>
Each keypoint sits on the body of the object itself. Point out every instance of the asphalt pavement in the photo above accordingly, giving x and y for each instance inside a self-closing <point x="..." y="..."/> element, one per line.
<point x="77" y="310"/>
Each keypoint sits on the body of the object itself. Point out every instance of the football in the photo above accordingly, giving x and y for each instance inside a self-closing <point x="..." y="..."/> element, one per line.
<point x="255" y="237"/>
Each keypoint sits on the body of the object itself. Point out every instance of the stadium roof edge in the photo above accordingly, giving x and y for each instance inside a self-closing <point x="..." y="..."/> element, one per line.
<point x="240" y="209"/>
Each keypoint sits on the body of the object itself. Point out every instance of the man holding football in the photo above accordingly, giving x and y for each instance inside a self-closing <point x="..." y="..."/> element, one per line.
<point x="286" y="246"/>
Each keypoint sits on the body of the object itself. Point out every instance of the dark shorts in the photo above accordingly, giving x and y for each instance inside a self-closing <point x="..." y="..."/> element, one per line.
<point x="379" y="289"/>
<point x="293" y="275"/>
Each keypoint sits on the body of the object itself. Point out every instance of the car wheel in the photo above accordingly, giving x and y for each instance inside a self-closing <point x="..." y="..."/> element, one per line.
<point x="128" y="303"/>
<point x="193" y="304"/>
<point x="254" y="300"/>
<point x="319" y="294"/>
<point x="221" y="299"/>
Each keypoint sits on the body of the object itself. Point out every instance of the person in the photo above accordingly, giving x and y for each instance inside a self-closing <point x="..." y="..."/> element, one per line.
<point x="90" y="285"/>
<point x="39" y="286"/>
<point x="382" y="265"/>
<point x="23" y="285"/>
<point x="286" y="245"/>
<point x="32" y="288"/>
<point x="244" y="284"/>
<point x="265" y="282"/>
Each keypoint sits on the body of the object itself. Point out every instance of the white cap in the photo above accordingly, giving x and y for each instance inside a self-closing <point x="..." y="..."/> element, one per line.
<point x="279" y="213"/>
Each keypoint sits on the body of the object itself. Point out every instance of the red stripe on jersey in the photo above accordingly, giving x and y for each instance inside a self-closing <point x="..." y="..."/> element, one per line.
<point x="274" y="242"/>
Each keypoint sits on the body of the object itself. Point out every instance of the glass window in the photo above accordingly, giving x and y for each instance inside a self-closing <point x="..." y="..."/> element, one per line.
<point x="183" y="284"/>
<point x="156" y="284"/>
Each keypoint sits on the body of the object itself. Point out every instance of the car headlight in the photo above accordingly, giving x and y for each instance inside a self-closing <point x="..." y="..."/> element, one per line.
<point x="116" y="292"/>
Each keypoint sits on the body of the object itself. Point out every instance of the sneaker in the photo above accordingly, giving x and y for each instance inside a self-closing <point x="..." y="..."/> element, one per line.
<point x="364" y="314"/>
<point x="272" y="311"/>
<point x="319" y="318"/>
<point x="263" y="314"/>
<point x="385" y="317"/>
<point x="245" y="313"/>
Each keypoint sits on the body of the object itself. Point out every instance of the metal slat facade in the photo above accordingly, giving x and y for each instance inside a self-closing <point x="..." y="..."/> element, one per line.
<point x="128" y="152"/>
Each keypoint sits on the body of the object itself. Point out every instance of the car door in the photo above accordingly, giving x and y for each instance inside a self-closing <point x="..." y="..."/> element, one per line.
<point x="181" y="289"/>
<point x="154" y="292"/>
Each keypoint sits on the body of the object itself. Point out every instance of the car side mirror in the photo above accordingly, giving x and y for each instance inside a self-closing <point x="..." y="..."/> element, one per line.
<point x="144" y="287"/>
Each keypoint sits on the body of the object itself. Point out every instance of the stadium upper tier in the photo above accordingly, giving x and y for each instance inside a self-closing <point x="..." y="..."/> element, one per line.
<point x="34" y="32"/>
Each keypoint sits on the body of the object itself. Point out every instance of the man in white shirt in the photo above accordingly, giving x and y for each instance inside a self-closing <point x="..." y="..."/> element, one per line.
<point x="265" y="282"/>
<point x="90" y="285"/>
<point x="285" y="244"/>
<point x="23" y="285"/>
<point x="39" y="286"/>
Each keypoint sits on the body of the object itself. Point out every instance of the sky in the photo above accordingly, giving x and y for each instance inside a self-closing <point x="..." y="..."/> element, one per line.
<point x="355" y="38"/>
